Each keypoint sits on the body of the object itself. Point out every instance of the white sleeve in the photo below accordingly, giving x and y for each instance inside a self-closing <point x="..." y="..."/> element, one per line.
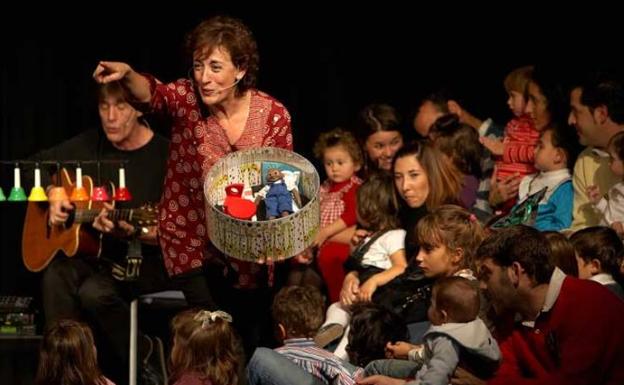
<point x="393" y="241"/>
<point x="615" y="210"/>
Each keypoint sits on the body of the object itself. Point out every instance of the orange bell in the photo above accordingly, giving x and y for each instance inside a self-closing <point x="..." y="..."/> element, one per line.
<point x="79" y="193"/>
<point x="57" y="194"/>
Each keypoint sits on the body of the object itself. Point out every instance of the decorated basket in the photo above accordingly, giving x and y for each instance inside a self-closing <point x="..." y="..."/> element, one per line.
<point x="256" y="240"/>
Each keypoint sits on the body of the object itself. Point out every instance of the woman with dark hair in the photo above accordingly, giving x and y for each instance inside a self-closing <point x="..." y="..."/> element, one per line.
<point x="424" y="180"/>
<point x="547" y="97"/>
<point x="379" y="131"/>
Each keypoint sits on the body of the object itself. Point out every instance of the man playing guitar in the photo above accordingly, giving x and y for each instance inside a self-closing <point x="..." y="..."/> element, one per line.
<point x="84" y="286"/>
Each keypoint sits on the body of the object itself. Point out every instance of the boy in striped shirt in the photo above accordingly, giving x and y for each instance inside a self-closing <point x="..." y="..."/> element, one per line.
<point x="298" y="312"/>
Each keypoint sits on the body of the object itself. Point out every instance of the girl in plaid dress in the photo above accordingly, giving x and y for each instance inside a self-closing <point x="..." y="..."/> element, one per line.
<point x="342" y="158"/>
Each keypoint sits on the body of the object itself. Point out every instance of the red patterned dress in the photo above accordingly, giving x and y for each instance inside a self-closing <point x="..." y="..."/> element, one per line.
<point x="197" y="143"/>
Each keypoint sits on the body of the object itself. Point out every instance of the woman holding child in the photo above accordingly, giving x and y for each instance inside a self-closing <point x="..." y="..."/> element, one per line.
<point x="423" y="180"/>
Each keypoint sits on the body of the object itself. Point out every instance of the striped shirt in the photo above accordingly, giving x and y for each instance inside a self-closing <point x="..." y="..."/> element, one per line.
<point x="320" y="363"/>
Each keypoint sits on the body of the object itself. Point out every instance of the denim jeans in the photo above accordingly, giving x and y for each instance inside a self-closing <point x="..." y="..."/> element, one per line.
<point x="268" y="367"/>
<point x="393" y="368"/>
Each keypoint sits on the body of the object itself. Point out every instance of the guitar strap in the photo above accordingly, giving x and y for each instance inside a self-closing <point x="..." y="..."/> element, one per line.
<point x="132" y="268"/>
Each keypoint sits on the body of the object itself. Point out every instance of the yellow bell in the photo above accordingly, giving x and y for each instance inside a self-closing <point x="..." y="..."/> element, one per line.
<point x="37" y="194"/>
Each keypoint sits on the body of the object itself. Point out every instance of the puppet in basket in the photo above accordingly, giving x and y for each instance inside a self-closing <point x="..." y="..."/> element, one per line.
<point x="278" y="194"/>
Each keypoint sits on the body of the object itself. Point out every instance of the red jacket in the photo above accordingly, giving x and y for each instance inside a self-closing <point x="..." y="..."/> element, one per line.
<point x="520" y="141"/>
<point x="580" y="340"/>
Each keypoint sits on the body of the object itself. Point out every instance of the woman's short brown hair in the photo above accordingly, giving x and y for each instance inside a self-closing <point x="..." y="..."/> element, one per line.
<point x="233" y="35"/>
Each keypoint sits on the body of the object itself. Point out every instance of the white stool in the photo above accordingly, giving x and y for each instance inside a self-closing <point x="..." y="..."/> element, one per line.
<point x="169" y="297"/>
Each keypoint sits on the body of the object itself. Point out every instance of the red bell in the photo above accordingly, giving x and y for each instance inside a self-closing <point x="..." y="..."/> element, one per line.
<point x="122" y="194"/>
<point x="99" y="194"/>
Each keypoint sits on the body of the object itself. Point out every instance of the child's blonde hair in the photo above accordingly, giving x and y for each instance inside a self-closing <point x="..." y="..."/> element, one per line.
<point x="204" y="343"/>
<point x="338" y="137"/>
<point x="454" y="227"/>
<point x="518" y="79"/>
<point x="67" y="356"/>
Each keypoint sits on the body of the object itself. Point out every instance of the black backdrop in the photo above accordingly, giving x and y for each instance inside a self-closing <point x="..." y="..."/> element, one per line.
<point x="324" y="64"/>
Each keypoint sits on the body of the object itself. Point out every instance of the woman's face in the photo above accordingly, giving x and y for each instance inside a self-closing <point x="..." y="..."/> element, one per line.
<point x="411" y="181"/>
<point x="537" y="107"/>
<point x="215" y="75"/>
<point x="381" y="147"/>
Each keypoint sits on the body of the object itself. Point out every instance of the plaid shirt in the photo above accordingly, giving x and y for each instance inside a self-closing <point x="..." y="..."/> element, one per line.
<point x="333" y="205"/>
<point x="319" y="362"/>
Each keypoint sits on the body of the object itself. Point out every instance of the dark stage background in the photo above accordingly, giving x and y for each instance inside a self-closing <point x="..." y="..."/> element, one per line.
<point x="324" y="65"/>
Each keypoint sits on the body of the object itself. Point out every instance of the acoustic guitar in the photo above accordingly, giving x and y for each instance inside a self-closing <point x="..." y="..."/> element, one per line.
<point x="41" y="242"/>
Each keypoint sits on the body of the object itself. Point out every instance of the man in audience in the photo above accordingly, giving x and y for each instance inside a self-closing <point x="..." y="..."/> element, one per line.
<point x="597" y="113"/>
<point x="567" y="331"/>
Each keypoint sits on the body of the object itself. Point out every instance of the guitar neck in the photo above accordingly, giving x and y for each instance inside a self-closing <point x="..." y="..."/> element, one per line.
<point x="87" y="216"/>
